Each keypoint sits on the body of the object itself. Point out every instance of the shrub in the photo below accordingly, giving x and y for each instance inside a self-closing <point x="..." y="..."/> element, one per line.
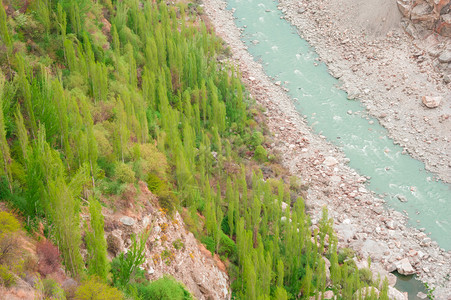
<point x="366" y="275"/>
<point x="94" y="289"/>
<point x="227" y="246"/>
<point x="257" y="139"/>
<point x="209" y="244"/>
<point x="124" y="173"/>
<point x="52" y="290"/>
<point x="168" y="201"/>
<point x="113" y="244"/>
<point x="9" y="227"/>
<point x="155" y="184"/>
<point x="7" y="279"/>
<point x="49" y="258"/>
<point x="344" y="254"/>
<point x="178" y="244"/>
<point x="166" y="288"/>
<point x="8" y="223"/>
<point x="260" y="154"/>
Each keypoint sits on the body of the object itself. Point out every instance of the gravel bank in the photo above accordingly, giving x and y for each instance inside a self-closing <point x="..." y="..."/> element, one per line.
<point x="361" y="220"/>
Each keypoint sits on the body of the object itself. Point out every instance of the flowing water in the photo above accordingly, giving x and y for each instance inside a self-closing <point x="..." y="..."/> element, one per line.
<point x="288" y="58"/>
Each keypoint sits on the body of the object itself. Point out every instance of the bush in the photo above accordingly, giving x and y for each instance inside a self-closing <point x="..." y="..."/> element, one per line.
<point x="49" y="258"/>
<point x="168" y="201"/>
<point x="366" y="275"/>
<point x="166" y="288"/>
<point x="94" y="289"/>
<point x="260" y="154"/>
<point x="52" y="290"/>
<point x="8" y="223"/>
<point x="209" y="244"/>
<point x="124" y="173"/>
<point x="155" y="184"/>
<point x="257" y="139"/>
<point x="227" y="246"/>
<point x="7" y="279"/>
<point x="345" y="254"/>
<point x="9" y="227"/>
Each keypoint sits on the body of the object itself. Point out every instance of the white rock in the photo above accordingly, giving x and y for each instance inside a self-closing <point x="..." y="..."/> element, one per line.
<point x="127" y="221"/>
<point x="330" y="161"/>
<point x="404" y="267"/>
<point x="394" y="294"/>
<point x="431" y="102"/>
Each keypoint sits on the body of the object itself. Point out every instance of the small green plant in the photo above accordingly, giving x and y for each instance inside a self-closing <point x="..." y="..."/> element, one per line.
<point x="124" y="173"/>
<point x="125" y="265"/>
<point x="260" y="154"/>
<point x="52" y="290"/>
<point x="166" y="288"/>
<point x="178" y="244"/>
<point x="94" y="289"/>
<point x="7" y="279"/>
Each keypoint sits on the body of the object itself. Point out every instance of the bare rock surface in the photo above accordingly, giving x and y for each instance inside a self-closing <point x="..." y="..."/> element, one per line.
<point x="358" y="214"/>
<point x="171" y="248"/>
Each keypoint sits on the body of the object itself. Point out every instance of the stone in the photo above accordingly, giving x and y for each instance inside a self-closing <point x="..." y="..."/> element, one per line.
<point x="422" y="295"/>
<point x="394" y="294"/>
<point x="445" y="57"/>
<point x="404" y="267"/>
<point x="422" y="13"/>
<point x="330" y="161"/>
<point x="401" y="198"/>
<point x="444" y="27"/>
<point x="404" y="7"/>
<point x="431" y="102"/>
<point x="127" y="221"/>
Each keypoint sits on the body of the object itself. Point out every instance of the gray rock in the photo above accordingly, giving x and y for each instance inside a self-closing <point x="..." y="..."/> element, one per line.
<point x="404" y="267"/>
<point x="330" y="161"/>
<point x="394" y="294"/>
<point x="401" y="198"/>
<point x="422" y="295"/>
<point x="127" y="221"/>
<point x="445" y="57"/>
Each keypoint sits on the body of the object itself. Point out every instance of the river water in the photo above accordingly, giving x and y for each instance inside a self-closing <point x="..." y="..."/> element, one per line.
<point x="288" y="58"/>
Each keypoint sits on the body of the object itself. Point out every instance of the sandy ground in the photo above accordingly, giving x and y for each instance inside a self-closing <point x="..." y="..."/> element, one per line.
<point x="360" y="219"/>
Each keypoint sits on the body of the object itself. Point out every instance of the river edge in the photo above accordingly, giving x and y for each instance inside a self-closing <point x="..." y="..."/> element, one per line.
<point x="372" y="230"/>
<point x="388" y="72"/>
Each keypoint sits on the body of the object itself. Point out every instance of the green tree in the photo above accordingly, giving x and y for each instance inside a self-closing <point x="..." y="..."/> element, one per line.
<point x="96" y="243"/>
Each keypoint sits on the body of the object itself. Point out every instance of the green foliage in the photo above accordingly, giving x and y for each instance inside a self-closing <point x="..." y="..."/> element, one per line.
<point x="124" y="173"/>
<point x="124" y="266"/>
<point x="166" y="288"/>
<point x="95" y="289"/>
<point x="155" y="184"/>
<point x="96" y="243"/>
<point x="52" y="290"/>
<point x="260" y="154"/>
<point x="178" y="244"/>
<point x="7" y="278"/>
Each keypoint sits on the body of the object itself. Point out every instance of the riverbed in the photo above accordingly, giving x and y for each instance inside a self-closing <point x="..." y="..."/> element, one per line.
<point x="362" y="219"/>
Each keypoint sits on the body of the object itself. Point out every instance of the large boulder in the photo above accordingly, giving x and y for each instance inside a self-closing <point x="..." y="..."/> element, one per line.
<point x="404" y="267"/>
<point x="394" y="294"/>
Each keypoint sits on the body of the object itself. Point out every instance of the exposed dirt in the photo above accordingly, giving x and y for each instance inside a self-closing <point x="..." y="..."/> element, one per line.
<point x="361" y="220"/>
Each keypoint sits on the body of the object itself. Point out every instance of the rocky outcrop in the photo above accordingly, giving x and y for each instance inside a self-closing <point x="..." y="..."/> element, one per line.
<point x="171" y="248"/>
<point x="431" y="14"/>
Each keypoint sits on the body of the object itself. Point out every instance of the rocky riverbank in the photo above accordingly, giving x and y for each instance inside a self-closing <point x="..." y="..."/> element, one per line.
<point x="404" y="81"/>
<point x="361" y="220"/>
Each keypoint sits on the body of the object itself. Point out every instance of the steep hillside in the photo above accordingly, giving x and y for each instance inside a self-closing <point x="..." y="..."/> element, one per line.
<point x="119" y="117"/>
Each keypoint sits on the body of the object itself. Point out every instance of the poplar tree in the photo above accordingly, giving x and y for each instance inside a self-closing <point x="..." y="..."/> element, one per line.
<point x="96" y="243"/>
<point x="5" y="156"/>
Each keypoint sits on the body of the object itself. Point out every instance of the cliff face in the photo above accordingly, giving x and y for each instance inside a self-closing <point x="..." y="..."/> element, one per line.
<point x="431" y="14"/>
<point x="171" y="248"/>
